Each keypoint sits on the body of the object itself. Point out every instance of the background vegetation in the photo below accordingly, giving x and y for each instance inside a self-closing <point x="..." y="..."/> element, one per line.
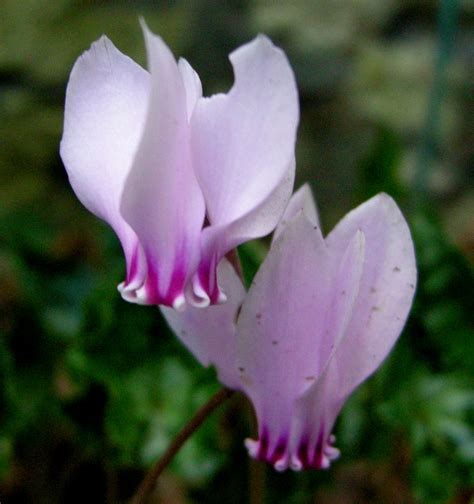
<point x="92" y="389"/>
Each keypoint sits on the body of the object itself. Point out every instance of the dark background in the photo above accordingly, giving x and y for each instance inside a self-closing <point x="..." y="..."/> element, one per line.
<point x="92" y="389"/>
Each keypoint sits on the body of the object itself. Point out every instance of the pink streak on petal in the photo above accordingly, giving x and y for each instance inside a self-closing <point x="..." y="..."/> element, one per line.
<point x="133" y="267"/>
<point x="151" y="284"/>
<point x="263" y="445"/>
<point x="302" y="453"/>
<point x="317" y="459"/>
<point x="161" y="199"/>
<point x="316" y="455"/>
<point x="207" y="278"/>
<point x="176" y="288"/>
<point x="154" y="295"/>
<point x="307" y="455"/>
<point x="279" y="451"/>
<point x="281" y="323"/>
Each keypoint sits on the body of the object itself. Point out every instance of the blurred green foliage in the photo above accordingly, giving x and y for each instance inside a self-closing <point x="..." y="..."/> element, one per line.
<point x="93" y="389"/>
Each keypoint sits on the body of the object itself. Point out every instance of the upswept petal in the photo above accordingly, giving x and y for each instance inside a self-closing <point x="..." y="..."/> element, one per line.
<point x="210" y="333"/>
<point x="385" y="294"/>
<point x="308" y="305"/>
<point x="301" y="201"/>
<point x="161" y="200"/>
<point x="386" y="289"/>
<point x="106" y="102"/>
<point x="192" y="85"/>
<point x="243" y="146"/>
<point x="243" y="141"/>
<point x="311" y="443"/>
<point x="279" y="332"/>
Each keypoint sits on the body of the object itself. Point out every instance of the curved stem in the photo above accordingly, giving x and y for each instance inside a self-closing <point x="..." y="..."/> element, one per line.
<point x="148" y="484"/>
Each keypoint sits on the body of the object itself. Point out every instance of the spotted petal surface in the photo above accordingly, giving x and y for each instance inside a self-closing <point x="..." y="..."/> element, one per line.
<point x="321" y="317"/>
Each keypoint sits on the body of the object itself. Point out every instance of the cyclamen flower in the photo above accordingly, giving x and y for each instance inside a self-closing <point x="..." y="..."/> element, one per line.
<point x="148" y="154"/>
<point x="320" y="317"/>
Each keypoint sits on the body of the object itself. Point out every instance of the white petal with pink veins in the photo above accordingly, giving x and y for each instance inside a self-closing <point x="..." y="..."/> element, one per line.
<point x="243" y="146"/>
<point x="161" y="200"/>
<point x="106" y="105"/>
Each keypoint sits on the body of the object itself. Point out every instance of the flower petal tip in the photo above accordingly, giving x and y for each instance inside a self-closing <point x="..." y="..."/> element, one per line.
<point x="221" y="297"/>
<point x="295" y="463"/>
<point x="297" y="457"/>
<point x="281" y="464"/>
<point x="252" y="447"/>
<point x="143" y="24"/>
<point x="179" y="303"/>
<point x="129" y="292"/>
<point x="200" y="302"/>
<point x="141" y="295"/>
<point x="198" y="295"/>
<point x="332" y="452"/>
<point x="325" y="463"/>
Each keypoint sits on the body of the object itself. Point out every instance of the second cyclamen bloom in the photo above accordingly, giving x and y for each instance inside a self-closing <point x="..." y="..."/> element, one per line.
<point x="181" y="179"/>
<point x="320" y="317"/>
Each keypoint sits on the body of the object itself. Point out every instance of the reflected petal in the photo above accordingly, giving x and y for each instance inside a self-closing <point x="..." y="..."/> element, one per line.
<point x="162" y="201"/>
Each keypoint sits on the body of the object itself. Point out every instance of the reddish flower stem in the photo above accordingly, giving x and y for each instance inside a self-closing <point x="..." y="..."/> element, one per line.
<point x="148" y="484"/>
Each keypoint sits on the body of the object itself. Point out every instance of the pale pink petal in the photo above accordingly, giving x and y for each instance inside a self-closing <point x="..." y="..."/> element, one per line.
<point x="312" y="325"/>
<point x="192" y="85"/>
<point x="243" y="146"/>
<point x="380" y="310"/>
<point x="106" y="102"/>
<point x="310" y="444"/>
<point x="210" y="333"/>
<point x="386" y="291"/>
<point x="161" y="200"/>
<point x="280" y="330"/>
<point x="244" y="141"/>
<point x="301" y="201"/>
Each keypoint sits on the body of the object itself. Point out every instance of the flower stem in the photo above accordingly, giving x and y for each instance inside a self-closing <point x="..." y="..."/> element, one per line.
<point x="148" y="484"/>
